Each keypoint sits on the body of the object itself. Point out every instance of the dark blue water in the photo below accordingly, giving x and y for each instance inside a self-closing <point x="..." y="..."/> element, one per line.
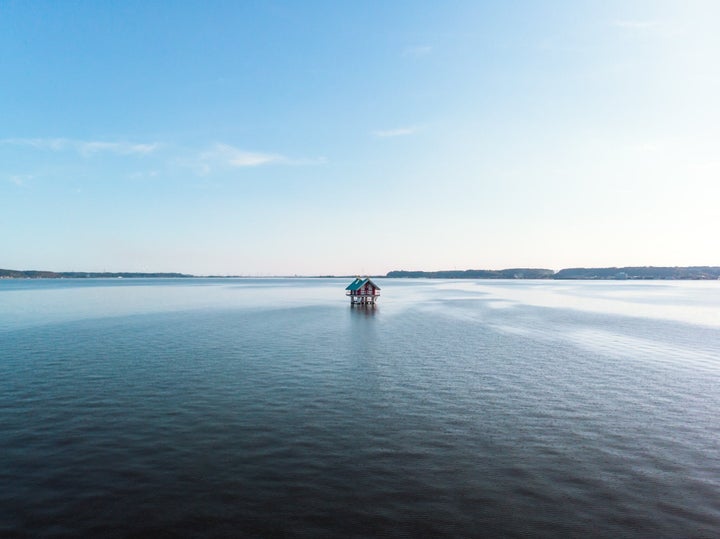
<point x="271" y="408"/>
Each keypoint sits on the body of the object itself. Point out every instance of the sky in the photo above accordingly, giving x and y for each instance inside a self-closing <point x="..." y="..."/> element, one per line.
<point x="326" y="137"/>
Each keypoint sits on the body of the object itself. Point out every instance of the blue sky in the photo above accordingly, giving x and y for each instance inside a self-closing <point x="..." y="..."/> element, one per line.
<point x="279" y="138"/>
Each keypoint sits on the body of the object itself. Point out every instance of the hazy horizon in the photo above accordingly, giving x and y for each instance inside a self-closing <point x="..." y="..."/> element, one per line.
<point x="286" y="138"/>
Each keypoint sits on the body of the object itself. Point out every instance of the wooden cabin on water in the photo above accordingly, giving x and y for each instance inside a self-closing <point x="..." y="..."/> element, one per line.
<point x="362" y="292"/>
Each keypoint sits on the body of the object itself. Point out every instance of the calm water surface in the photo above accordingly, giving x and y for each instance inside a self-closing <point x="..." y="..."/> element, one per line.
<point x="271" y="408"/>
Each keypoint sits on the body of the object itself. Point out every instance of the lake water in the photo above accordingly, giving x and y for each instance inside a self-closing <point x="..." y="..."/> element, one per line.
<point x="271" y="408"/>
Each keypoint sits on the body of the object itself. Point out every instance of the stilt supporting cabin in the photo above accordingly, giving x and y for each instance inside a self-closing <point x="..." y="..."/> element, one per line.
<point x="362" y="291"/>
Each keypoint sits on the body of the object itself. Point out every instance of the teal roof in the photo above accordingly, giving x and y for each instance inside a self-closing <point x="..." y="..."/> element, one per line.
<point x="358" y="283"/>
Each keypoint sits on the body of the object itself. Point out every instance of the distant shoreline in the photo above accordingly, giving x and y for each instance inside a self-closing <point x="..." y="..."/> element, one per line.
<point x="37" y="274"/>
<point x="686" y="273"/>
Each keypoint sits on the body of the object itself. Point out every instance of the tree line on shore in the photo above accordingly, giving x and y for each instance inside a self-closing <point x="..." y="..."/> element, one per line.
<point x="38" y="274"/>
<point x="614" y="273"/>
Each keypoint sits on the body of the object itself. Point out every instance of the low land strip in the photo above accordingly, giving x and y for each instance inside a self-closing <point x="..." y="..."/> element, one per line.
<point x="613" y="273"/>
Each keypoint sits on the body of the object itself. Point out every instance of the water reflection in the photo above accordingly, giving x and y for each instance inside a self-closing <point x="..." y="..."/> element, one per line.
<point x="363" y="310"/>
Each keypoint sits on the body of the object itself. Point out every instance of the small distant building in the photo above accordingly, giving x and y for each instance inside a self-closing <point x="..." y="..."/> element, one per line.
<point x="362" y="291"/>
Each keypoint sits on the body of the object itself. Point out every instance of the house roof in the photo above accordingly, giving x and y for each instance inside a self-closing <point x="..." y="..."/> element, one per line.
<point x="359" y="283"/>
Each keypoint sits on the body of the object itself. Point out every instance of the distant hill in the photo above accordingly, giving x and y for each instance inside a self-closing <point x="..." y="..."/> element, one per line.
<point x="646" y="272"/>
<point x="512" y="273"/>
<point x="34" y="274"/>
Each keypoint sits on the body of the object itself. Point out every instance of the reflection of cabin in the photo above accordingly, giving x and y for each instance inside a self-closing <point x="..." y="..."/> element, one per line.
<point x="362" y="292"/>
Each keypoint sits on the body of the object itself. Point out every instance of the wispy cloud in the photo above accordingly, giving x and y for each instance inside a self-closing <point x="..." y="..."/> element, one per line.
<point x="417" y="51"/>
<point x="203" y="161"/>
<point x="224" y="154"/>
<point x="227" y="156"/>
<point x="123" y="148"/>
<point x="83" y="147"/>
<point x="397" y="132"/>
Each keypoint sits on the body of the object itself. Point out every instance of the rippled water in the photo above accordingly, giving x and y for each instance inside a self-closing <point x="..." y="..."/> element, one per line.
<point x="271" y="408"/>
